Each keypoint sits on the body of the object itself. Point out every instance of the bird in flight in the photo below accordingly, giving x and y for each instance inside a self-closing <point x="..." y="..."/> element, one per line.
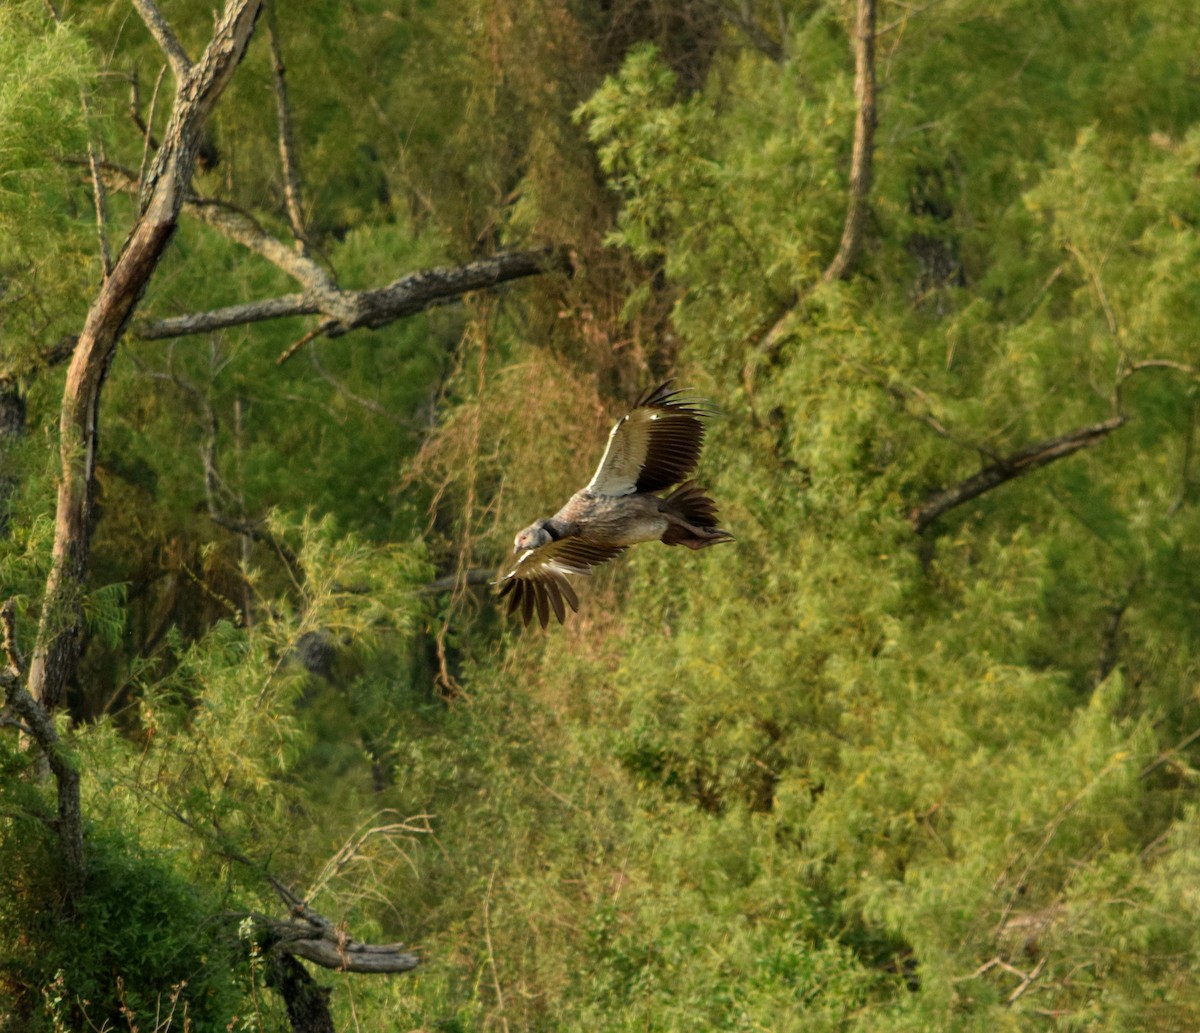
<point x="653" y="446"/>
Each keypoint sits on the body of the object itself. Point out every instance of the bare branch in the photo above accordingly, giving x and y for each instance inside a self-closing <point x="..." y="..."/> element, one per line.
<point x="373" y="308"/>
<point x="864" y="139"/>
<point x="296" y="345"/>
<point x="101" y="211"/>
<point x="1144" y="364"/>
<point x="181" y="65"/>
<point x="344" y="310"/>
<point x="240" y="227"/>
<point x="1009" y="467"/>
<point x="315" y="938"/>
<point x="233" y="315"/>
<point x="339" y="951"/>
<point x="1027" y="980"/>
<point x="148" y="141"/>
<point x="287" y="145"/>
<point x="135" y="106"/>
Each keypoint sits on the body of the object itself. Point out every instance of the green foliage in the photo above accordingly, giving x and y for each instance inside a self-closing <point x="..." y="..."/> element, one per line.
<point x="142" y="942"/>
<point x="45" y="237"/>
<point x="834" y="776"/>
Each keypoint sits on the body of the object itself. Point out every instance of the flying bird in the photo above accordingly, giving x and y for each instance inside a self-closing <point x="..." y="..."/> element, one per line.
<point x="653" y="446"/>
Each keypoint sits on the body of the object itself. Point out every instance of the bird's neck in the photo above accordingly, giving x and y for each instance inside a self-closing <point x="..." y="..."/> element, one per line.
<point x="558" y="528"/>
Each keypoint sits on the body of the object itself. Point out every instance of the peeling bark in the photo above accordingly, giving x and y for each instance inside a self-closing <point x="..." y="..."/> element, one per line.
<point x="373" y="308"/>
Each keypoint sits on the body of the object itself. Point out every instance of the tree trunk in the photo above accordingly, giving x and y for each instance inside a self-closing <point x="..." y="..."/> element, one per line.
<point x="307" y="1002"/>
<point x="200" y="86"/>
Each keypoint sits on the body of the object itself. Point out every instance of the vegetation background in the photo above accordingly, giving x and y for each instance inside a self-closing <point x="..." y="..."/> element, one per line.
<point x="880" y="766"/>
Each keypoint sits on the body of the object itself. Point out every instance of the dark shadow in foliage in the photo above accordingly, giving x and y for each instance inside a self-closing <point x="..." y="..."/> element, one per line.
<point x="686" y="34"/>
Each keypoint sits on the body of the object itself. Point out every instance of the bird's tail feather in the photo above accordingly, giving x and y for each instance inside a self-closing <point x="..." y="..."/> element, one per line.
<point x="689" y="503"/>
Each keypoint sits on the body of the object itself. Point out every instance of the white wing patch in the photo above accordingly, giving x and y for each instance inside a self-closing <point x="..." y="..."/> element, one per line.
<point x="656" y="444"/>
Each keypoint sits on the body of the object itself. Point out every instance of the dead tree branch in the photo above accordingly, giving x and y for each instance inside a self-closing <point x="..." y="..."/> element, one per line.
<point x="98" y="199"/>
<point x="243" y="229"/>
<point x="344" y="310"/>
<point x="372" y="308"/>
<point x="1009" y="467"/>
<point x="181" y="65"/>
<point x="312" y="936"/>
<point x="864" y="141"/>
<point x="148" y="142"/>
<point x="316" y="939"/>
<point x="287" y="145"/>
<point x="135" y="108"/>
<point x="167" y="185"/>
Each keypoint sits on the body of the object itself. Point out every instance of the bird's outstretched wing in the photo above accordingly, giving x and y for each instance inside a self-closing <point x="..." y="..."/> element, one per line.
<point x="656" y="444"/>
<point x="537" y="578"/>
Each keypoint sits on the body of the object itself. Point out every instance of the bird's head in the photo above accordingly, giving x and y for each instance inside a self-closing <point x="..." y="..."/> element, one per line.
<point x="533" y="537"/>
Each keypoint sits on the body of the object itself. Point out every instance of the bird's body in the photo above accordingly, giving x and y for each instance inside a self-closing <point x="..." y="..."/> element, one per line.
<point x="656" y="444"/>
<point x="615" y="520"/>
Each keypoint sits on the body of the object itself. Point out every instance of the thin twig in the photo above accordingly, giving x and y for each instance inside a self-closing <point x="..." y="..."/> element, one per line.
<point x="1166" y="755"/>
<point x="906" y="17"/>
<point x="135" y="106"/>
<point x="1027" y="981"/>
<point x="342" y="389"/>
<point x="1178" y="367"/>
<point x="1051" y="832"/>
<point x="148" y="142"/>
<point x="101" y="211"/>
<point x="287" y="145"/>
<point x="1093" y="275"/>
<point x="295" y="346"/>
<point x="487" y="935"/>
